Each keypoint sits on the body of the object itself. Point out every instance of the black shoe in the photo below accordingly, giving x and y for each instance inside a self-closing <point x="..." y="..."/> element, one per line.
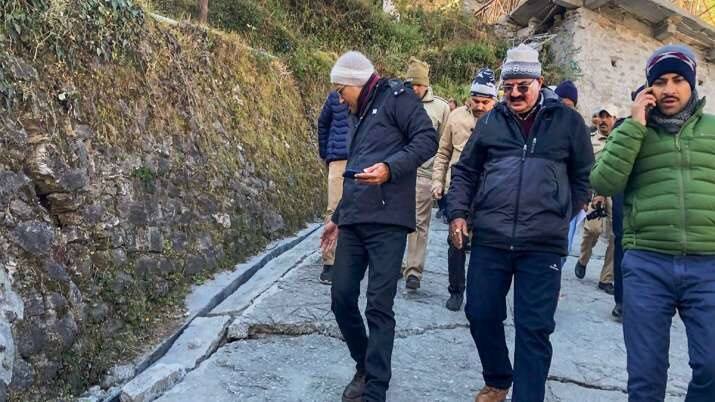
<point x="354" y="391"/>
<point x="454" y="303"/>
<point x="326" y="277"/>
<point x="617" y="312"/>
<point x="412" y="282"/>
<point x="607" y="287"/>
<point x="439" y="214"/>
<point x="580" y="270"/>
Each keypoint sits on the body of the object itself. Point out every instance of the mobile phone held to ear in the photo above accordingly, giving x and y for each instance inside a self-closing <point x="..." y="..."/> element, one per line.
<point x="350" y="173"/>
<point x="648" y="90"/>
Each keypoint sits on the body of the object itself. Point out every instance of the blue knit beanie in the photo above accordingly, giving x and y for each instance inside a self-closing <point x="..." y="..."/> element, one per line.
<point x="567" y="90"/>
<point x="635" y="93"/>
<point x="678" y="59"/>
<point x="484" y="84"/>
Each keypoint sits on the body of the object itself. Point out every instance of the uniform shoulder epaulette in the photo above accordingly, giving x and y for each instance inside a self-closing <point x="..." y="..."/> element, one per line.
<point x="397" y="87"/>
<point x="439" y="98"/>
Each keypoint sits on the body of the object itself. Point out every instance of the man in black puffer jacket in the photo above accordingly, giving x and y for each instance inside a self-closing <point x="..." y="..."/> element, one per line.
<point x="392" y="137"/>
<point x="522" y="176"/>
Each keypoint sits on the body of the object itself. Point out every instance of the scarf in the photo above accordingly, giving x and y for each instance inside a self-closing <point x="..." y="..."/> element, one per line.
<point x="673" y="124"/>
<point x="366" y="93"/>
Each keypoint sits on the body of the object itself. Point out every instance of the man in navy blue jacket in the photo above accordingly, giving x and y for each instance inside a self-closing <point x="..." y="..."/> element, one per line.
<point x="392" y="137"/>
<point x="333" y="138"/>
<point x="522" y="175"/>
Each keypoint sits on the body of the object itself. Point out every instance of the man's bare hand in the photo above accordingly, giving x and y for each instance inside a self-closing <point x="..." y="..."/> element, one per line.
<point x="437" y="191"/>
<point x="644" y="101"/>
<point x="458" y="231"/>
<point x="329" y="237"/>
<point x="375" y="175"/>
<point x="598" y="200"/>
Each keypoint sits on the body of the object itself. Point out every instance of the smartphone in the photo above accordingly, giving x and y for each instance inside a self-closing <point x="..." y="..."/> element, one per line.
<point x="350" y="173"/>
<point x="648" y="90"/>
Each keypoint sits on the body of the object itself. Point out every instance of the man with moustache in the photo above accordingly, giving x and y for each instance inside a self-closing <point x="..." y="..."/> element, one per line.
<point x="392" y="137"/>
<point x="663" y="158"/>
<point x="521" y="178"/>
<point x="459" y="127"/>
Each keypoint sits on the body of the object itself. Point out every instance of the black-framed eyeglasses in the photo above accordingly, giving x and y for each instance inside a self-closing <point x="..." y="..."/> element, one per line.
<point x="340" y="90"/>
<point x="522" y="87"/>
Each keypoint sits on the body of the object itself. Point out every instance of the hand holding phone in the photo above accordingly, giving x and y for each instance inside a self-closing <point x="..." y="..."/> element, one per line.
<point x="350" y="173"/>
<point x="376" y="174"/>
<point x="645" y="101"/>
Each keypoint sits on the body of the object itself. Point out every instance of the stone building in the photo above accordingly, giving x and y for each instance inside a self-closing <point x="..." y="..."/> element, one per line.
<point x="603" y="45"/>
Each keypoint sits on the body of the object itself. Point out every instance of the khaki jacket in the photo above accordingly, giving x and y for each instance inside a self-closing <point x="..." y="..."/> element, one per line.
<point x="457" y="131"/>
<point x="438" y="111"/>
<point x="598" y="141"/>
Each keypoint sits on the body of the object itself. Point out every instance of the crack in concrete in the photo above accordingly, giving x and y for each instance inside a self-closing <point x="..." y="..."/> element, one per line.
<point x="271" y="255"/>
<point x="327" y="329"/>
<point x="612" y="388"/>
<point x="583" y="384"/>
<point x="268" y="288"/>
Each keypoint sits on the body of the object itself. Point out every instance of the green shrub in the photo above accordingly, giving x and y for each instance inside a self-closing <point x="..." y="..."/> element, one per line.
<point x="458" y="63"/>
<point x="253" y="21"/>
<point x="108" y="28"/>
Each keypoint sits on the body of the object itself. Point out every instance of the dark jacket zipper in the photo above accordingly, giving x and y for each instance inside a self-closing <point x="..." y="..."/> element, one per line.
<point x="521" y="168"/>
<point x="357" y="128"/>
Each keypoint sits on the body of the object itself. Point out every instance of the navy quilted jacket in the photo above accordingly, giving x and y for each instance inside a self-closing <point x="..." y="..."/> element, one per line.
<point x="334" y="130"/>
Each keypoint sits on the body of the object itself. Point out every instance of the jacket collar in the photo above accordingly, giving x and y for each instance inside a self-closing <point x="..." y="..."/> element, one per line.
<point x="368" y="93"/>
<point x="547" y="100"/>
<point x="597" y="134"/>
<point x="429" y="96"/>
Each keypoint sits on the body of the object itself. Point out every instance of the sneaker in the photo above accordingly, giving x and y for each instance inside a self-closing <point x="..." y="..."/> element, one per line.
<point x="454" y="303"/>
<point x="617" y="312"/>
<point x="412" y="282"/>
<point x="580" y="270"/>
<point x="439" y="214"/>
<point x="491" y="394"/>
<point x="353" y="392"/>
<point x="326" y="277"/>
<point x="607" y="287"/>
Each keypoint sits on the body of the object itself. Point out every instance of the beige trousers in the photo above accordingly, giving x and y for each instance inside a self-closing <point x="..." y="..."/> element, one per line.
<point x="335" y="193"/>
<point x="417" y="240"/>
<point x="592" y="230"/>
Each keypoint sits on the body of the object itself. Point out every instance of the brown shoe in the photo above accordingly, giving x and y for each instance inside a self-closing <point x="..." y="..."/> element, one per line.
<point x="491" y="394"/>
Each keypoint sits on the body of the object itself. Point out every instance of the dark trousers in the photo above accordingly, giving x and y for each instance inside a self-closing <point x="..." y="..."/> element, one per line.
<point x="537" y="281"/>
<point x="618" y="249"/>
<point x="655" y="285"/>
<point x="456" y="260"/>
<point x="382" y="247"/>
<point x="442" y="204"/>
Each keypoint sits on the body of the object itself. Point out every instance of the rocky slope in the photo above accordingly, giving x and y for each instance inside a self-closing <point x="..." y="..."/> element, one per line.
<point x="136" y="158"/>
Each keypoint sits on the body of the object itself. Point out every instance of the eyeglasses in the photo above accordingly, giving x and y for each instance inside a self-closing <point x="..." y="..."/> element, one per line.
<point x="340" y="90"/>
<point x="522" y="87"/>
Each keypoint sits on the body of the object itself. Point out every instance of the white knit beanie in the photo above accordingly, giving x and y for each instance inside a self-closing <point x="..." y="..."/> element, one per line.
<point x="352" y="68"/>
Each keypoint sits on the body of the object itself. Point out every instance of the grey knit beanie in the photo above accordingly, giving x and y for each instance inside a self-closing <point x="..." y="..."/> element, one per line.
<point x="521" y="62"/>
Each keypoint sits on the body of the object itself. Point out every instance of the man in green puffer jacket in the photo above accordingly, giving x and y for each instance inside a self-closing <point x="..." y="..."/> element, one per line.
<point x="663" y="158"/>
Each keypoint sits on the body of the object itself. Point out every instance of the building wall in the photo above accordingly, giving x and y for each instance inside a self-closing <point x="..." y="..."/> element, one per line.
<point x="610" y="48"/>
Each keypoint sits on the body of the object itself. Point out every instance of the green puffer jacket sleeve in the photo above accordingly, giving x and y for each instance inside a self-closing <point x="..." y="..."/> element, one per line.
<point x="613" y="167"/>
